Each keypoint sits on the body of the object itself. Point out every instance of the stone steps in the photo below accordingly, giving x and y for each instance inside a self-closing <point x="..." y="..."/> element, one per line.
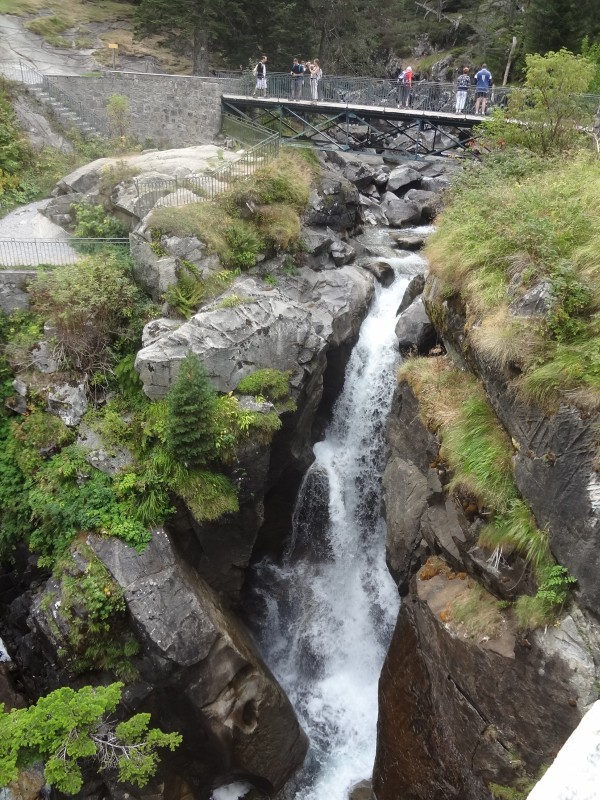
<point x="66" y="115"/>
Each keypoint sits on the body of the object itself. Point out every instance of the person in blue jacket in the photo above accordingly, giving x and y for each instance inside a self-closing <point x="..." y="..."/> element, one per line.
<point x="483" y="82"/>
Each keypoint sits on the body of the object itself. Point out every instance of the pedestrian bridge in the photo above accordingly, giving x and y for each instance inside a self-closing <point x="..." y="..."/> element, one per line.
<point x="365" y="113"/>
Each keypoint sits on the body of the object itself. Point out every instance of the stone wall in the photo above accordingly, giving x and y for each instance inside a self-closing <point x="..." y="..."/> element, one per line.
<point x="168" y="110"/>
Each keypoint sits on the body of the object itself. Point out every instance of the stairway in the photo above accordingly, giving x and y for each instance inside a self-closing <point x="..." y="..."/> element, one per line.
<point x="65" y="112"/>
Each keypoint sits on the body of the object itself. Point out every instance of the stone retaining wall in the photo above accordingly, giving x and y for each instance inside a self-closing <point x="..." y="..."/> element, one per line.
<point x="168" y="110"/>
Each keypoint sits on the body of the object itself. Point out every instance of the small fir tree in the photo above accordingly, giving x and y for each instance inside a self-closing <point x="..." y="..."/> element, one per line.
<point x="191" y="408"/>
<point x="67" y="726"/>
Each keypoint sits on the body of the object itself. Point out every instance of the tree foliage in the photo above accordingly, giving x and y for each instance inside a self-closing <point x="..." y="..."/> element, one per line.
<point x="191" y="408"/>
<point x="549" y="106"/>
<point x="67" y="727"/>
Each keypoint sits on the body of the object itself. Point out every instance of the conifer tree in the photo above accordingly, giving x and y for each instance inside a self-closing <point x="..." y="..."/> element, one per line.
<point x="190" y="422"/>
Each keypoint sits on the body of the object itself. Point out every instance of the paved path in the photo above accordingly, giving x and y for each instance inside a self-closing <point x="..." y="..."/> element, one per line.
<point x="18" y="230"/>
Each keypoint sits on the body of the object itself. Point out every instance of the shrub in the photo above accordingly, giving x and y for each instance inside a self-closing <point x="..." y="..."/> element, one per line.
<point x="191" y="401"/>
<point x="67" y="726"/>
<point x="117" y="111"/>
<point x="93" y="222"/>
<point x="38" y="436"/>
<point x="286" y="180"/>
<point x="91" y="303"/>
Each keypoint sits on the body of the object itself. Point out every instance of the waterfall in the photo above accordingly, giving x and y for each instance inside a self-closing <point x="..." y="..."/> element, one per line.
<point x="330" y="607"/>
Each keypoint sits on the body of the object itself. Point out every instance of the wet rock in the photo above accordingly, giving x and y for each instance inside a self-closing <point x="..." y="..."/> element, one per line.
<point x="414" y="329"/>
<point x="202" y="665"/>
<point x="30" y="785"/>
<point x="381" y="270"/>
<point x="407" y="241"/>
<point x="68" y="402"/>
<point x="414" y="289"/>
<point x="455" y="715"/>
<point x="372" y="211"/>
<point x="361" y="791"/>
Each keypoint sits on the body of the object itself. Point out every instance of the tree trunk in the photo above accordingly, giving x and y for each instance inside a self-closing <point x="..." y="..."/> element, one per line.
<point x="200" y="53"/>
<point x="508" y="63"/>
<point x="322" y="41"/>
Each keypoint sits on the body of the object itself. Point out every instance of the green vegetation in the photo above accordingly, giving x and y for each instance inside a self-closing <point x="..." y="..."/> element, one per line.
<point x="549" y="106"/>
<point x="50" y="27"/>
<point x="542" y="227"/>
<point x="479" y="454"/>
<point x="67" y="727"/>
<point x="268" y="383"/>
<point x="191" y="290"/>
<point x="190" y="431"/>
<point x="276" y="195"/>
<point x="117" y="111"/>
<point x="93" y="222"/>
<point x="93" y="606"/>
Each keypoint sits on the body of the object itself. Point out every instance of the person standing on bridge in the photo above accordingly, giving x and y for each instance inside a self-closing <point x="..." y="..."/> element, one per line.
<point x="261" y="77"/>
<point x="406" y="78"/>
<point x="297" y="73"/>
<point x="483" y="81"/>
<point x="462" y="87"/>
<point x="316" y="73"/>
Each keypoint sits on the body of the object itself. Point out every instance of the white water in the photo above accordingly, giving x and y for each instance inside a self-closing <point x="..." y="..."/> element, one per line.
<point x="332" y="605"/>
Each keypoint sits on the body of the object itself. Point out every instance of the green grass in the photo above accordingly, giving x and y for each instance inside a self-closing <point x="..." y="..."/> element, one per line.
<point x="478" y="613"/>
<point x="48" y="26"/>
<point x="515" y="225"/>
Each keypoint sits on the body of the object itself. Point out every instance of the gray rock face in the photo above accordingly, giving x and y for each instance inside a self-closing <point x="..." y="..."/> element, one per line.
<point x="407" y="241"/>
<point x="153" y="273"/>
<point x="68" y="402"/>
<point x="414" y="329"/>
<point x="270" y="332"/>
<point x="382" y="270"/>
<point x="13" y="290"/>
<point x="372" y="211"/>
<point x="109" y="460"/>
<point x="43" y="359"/>
<point x="455" y="715"/>
<point x="400" y="212"/>
<point x="195" y="650"/>
<point x="273" y="330"/>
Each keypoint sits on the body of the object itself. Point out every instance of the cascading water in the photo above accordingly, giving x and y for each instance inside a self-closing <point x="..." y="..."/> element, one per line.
<point x="331" y="606"/>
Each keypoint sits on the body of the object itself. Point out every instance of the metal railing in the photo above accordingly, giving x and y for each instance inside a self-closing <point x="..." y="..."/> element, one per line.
<point x="52" y="252"/>
<point x="23" y="73"/>
<point x="374" y="92"/>
<point x="240" y="130"/>
<point x="175" y="192"/>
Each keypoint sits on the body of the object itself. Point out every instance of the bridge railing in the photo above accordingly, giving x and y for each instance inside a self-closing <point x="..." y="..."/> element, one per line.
<point x="377" y="92"/>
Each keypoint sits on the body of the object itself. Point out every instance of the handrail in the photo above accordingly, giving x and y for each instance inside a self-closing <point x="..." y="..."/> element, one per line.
<point x="51" y="252"/>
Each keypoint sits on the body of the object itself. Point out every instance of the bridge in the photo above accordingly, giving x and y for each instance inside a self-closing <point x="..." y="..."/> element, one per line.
<point x="361" y="113"/>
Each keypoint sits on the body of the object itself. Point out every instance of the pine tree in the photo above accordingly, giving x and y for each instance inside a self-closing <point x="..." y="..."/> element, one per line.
<point x="190" y="423"/>
<point x="67" y="726"/>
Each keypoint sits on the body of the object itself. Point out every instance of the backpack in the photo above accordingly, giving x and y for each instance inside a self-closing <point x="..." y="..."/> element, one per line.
<point x="255" y="70"/>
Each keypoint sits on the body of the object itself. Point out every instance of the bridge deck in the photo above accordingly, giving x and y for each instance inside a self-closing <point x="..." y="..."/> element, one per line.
<point x="374" y="112"/>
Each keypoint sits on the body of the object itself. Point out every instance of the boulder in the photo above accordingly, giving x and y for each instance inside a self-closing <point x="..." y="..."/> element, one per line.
<point x="30" y="785"/>
<point x="401" y="177"/>
<point x="43" y="359"/>
<point x="156" y="328"/>
<point x="273" y="332"/>
<point x="68" y="402"/>
<point x="382" y="270"/>
<point x="400" y="212"/>
<point x="13" y="289"/>
<point x="407" y="241"/>
<point x="414" y="329"/>
<point x="152" y="272"/>
<point x="361" y="791"/>
<point x="201" y="667"/>
<point x="414" y="288"/>
<point x="334" y="203"/>
<point x="372" y="211"/>
<point x="317" y="241"/>
<point x="428" y="202"/>
<point x="60" y="209"/>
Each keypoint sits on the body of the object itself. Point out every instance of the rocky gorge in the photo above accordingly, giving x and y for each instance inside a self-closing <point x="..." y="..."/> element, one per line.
<point x="461" y="710"/>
